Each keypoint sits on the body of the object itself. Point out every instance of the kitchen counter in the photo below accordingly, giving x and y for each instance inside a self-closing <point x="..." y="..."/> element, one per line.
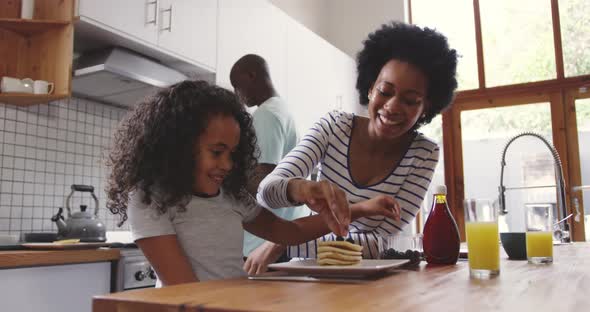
<point x="29" y="258"/>
<point x="520" y="287"/>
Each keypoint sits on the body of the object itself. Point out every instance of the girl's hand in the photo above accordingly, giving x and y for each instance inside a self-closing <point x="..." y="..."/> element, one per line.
<point x="325" y="198"/>
<point x="261" y="257"/>
<point x="381" y="205"/>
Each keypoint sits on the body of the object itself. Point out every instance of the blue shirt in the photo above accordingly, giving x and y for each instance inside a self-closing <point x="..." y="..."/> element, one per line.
<point x="276" y="135"/>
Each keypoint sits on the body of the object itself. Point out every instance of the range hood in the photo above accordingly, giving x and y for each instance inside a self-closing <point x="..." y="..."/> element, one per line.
<point x="119" y="76"/>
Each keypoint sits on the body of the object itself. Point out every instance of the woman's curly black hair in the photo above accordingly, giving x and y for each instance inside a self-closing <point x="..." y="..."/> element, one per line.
<point x="425" y="48"/>
<point x="153" y="146"/>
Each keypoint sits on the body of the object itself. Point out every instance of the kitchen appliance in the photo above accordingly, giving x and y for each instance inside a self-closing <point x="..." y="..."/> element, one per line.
<point x="81" y="225"/>
<point x="120" y="76"/>
<point x="132" y="271"/>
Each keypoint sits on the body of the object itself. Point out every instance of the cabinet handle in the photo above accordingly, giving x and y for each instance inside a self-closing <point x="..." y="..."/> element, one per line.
<point x="169" y="10"/>
<point x="155" y="15"/>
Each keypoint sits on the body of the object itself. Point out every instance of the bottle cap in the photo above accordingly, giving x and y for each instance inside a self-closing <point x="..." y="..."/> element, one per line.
<point x="440" y="189"/>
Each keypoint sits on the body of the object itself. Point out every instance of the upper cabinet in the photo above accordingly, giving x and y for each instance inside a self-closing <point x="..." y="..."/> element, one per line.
<point x="189" y="28"/>
<point x="138" y="18"/>
<point x="39" y="48"/>
<point x="169" y="30"/>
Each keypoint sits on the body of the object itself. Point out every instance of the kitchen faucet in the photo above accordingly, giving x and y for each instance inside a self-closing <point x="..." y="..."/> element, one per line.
<point x="563" y="231"/>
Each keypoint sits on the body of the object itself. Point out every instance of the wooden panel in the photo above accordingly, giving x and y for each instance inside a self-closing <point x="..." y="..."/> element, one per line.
<point x="520" y="287"/>
<point x="575" y="172"/>
<point x="558" y="127"/>
<point x="54" y="10"/>
<point x="557" y="39"/>
<point x="453" y="157"/>
<point x="479" y="45"/>
<point x="10" y="9"/>
<point x="24" y="258"/>
<point x="26" y="99"/>
<point x="29" y="27"/>
<point x="13" y="54"/>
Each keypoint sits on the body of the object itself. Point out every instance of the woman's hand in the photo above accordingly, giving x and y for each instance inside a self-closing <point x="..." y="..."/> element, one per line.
<point x="325" y="198"/>
<point x="381" y="205"/>
<point x="261" y="257"/>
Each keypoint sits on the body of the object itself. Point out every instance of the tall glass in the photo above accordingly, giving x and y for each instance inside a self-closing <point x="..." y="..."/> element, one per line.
<point x="539" y="234"/>
<point x="483" y="241"/>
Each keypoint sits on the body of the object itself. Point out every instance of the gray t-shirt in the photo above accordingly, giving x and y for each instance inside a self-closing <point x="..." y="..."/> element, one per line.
<point x="210" y="230"/>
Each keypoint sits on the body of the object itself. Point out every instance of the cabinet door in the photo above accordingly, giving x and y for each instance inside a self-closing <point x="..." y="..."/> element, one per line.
<point x="59" y="288"/>
<point x="252" y="26"/>
<point x="189" y="29"/>
<point x="133" y="17"/>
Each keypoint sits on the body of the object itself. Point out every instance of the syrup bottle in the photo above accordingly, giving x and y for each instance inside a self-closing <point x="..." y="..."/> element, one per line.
<point x="441" y="235"/>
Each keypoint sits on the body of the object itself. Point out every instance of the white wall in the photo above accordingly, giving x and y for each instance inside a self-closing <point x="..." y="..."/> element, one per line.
<point x="310" y="13"/>
<point x="343" y="23"/>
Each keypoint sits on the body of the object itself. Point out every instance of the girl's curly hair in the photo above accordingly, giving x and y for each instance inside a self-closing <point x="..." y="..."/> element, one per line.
<point x="153" y="146"/>
<point x="425" y="48"/>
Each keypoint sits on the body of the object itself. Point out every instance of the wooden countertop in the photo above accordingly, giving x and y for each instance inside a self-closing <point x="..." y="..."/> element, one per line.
<point x="560" y="286"/>
<point x="28" y="258"/>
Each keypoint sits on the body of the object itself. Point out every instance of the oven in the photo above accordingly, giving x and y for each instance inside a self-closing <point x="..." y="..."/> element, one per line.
<point x="132" y="271"/>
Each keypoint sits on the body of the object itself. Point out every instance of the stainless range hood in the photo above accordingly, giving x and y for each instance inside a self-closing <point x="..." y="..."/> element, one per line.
<point x="120" y="77"/>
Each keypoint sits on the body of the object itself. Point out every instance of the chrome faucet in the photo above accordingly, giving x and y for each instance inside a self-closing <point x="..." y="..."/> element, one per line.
<point x="563" y="232"/>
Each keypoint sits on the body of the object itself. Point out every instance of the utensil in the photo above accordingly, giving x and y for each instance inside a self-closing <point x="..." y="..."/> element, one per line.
<point x="308" y="279"/>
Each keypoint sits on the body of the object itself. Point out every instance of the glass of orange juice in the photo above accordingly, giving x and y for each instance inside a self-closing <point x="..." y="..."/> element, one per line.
<point x="483" y="240"/>
<point x="539" y="234"/>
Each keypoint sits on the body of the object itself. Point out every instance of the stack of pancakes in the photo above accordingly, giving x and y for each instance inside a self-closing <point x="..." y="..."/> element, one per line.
<point x="339" y="253"/>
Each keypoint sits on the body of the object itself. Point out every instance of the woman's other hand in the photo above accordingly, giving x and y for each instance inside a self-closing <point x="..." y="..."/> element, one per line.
<point x="325" y="198"/>
<point x="261" y="257"/>
<point x="381" y="205"/>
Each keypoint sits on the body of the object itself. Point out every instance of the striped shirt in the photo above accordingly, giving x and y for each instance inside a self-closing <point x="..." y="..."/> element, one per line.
<point x="327" y="145"/>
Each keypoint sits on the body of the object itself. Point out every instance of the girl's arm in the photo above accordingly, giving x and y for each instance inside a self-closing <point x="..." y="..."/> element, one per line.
<point x="270" y="227"/>
<point x="168" y="259"/>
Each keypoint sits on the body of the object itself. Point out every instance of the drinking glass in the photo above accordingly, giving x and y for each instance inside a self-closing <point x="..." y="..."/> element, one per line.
<point x="539" y="235"/>
<point x="483" y="242"/>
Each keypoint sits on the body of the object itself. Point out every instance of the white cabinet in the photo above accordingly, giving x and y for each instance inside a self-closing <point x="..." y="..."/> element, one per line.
<point x="138" y="18"/>
<point x="60" y="288"/>
<point x="252" y="26"/>
<point x="183" y="28"/>
<point x="189" y="28"/>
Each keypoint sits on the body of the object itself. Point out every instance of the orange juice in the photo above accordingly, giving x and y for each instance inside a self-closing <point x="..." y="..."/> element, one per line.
<point x="539" y="244"/>
<point x="483" y="244"/>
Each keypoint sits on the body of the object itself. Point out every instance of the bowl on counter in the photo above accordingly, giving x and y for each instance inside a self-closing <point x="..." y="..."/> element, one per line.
<point x="514" y="243"/>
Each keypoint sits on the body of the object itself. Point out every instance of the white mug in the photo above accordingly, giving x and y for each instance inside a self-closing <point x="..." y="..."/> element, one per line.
<point x="42" y="87"/>
<point x="11" y="84"/>
<point x="27" y="9"/>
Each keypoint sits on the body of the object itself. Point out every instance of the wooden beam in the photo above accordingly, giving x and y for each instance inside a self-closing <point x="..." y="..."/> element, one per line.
<point x="523" y="88"/>
<point x="479" y="45"/>
<point x="575" y="172"/>
<point x="557" y="39"/>
<point x="453" y="158"/>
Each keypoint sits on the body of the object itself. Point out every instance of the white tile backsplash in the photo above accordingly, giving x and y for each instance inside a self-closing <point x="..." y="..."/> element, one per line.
<point x="46" y="148"/>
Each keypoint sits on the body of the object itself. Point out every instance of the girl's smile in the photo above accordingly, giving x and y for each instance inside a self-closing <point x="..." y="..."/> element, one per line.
<point x="214" y="153"/>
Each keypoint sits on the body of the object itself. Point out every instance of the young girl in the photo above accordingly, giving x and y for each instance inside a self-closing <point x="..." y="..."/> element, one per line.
<point x="180" y="164"/>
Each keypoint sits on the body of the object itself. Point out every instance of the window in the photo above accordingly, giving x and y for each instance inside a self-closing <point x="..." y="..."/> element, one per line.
<point x="459" y="30"/>
<point x="575" y="34"/>
<point x="518" y="41"/>
<point x="434" y="132"/>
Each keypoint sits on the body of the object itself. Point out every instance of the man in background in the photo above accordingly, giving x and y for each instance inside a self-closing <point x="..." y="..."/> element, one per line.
<point x="276" y="136"/>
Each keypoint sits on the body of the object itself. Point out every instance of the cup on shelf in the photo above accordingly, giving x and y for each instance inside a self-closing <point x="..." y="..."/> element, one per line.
<point x="27" y="9"/>
<point x="11" y="84"/>
<point x="43" y="87"/>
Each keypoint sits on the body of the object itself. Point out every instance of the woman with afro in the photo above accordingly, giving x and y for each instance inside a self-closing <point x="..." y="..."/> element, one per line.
<point x="406" y="76"/>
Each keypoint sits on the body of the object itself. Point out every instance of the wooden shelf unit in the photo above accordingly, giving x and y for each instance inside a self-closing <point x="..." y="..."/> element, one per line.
<point x="40" y="48"/>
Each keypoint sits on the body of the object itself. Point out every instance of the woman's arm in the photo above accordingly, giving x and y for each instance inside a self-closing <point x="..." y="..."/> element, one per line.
<point x="168" y="259"/>
<point x="268" y="226"/>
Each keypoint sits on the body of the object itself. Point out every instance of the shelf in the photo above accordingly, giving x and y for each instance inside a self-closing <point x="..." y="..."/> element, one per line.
<point x="26" y="99"/>
<point x="28" y="27"/>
